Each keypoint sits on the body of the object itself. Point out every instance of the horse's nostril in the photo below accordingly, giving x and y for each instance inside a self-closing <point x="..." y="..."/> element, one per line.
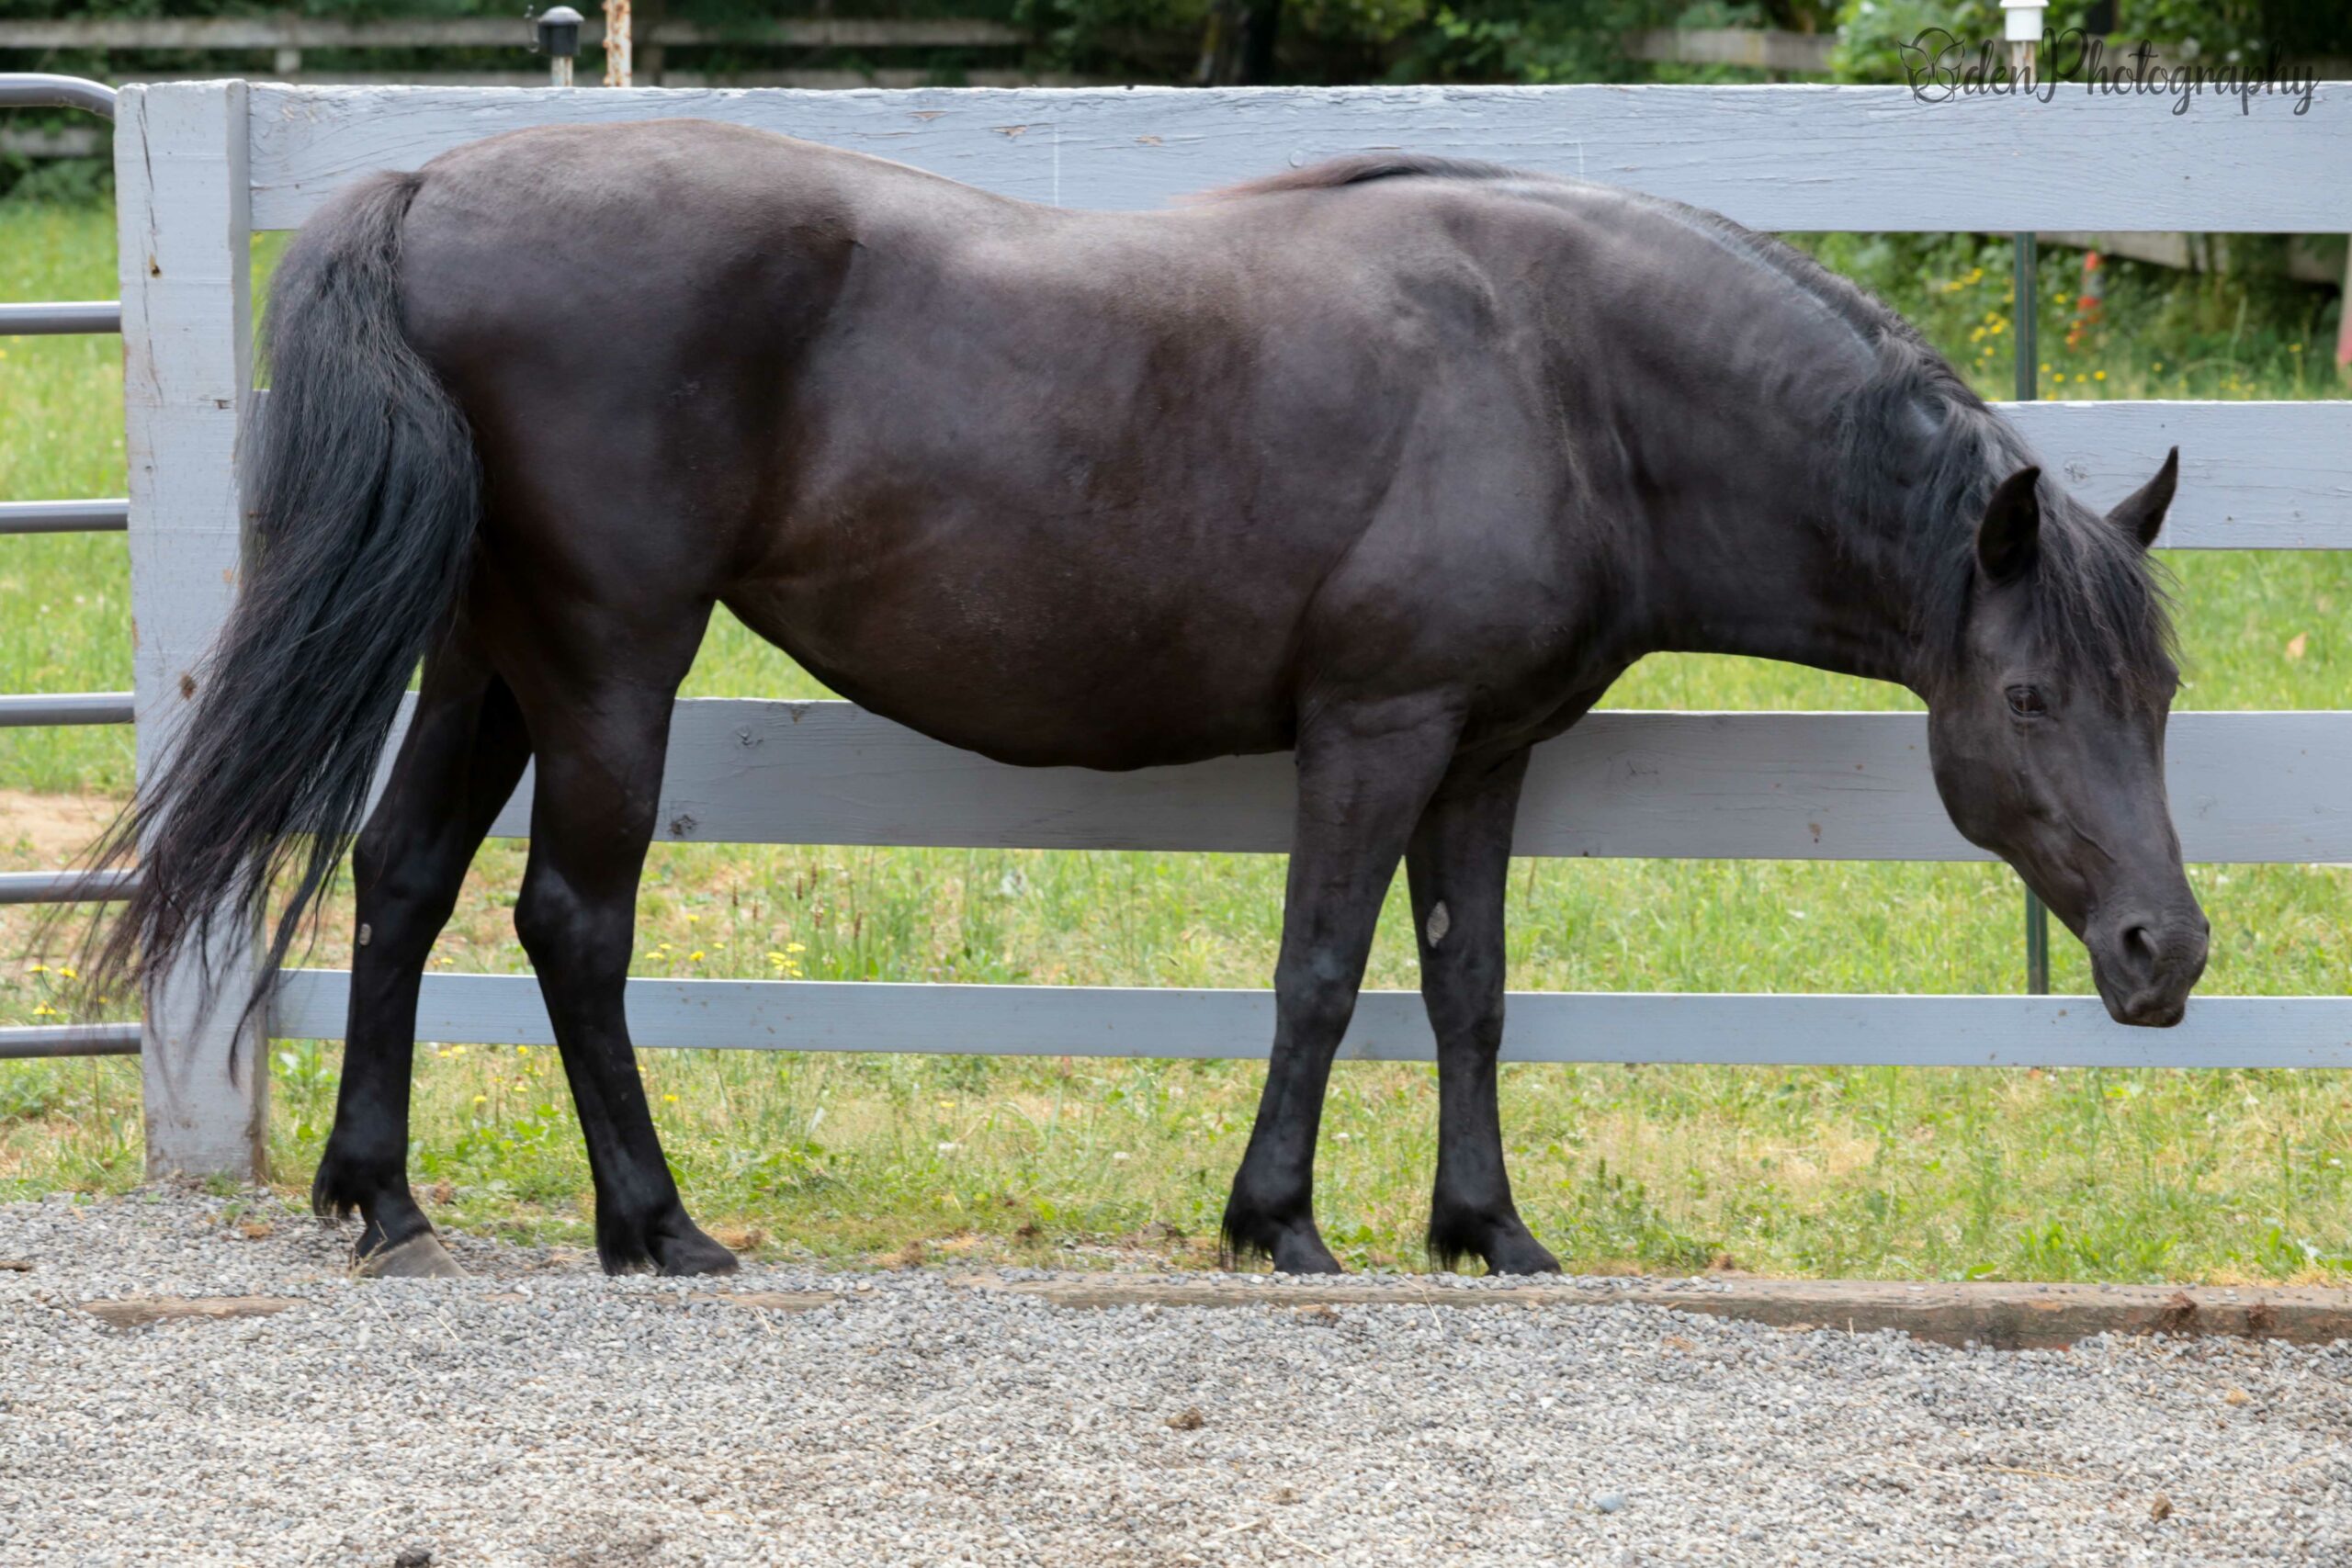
<point x="2140" y="946"/>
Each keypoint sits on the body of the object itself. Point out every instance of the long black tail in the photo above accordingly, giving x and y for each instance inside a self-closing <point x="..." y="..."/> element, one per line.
<point x="367" y="493"/>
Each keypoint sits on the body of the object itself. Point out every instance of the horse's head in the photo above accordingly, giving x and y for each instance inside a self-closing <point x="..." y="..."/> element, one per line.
<point x="2047" y="732"/>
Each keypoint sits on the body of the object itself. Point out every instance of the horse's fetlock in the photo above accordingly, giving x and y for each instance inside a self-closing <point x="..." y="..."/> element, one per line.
<point x="1489" y="1230"/>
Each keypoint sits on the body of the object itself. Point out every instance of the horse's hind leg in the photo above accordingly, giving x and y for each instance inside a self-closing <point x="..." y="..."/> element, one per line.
<point x="463" y="754"/>
<point x="597" y="699"/>
<point x="1364" y="773"/>
<point x="1457" y="866"/>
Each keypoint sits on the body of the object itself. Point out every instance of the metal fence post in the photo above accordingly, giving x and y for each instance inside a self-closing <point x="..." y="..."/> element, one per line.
<point x="617" y="64"/>
<point x="184" y="231"/>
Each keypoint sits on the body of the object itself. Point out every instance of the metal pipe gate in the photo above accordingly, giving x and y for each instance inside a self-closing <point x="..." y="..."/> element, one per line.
<point x="49" y="319"/>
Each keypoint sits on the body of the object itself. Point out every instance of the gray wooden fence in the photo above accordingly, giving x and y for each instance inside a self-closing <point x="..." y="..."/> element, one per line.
<point x="201" y="166"/>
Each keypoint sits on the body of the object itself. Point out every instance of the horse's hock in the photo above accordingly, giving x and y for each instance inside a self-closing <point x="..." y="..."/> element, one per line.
<point x="201" y="166"/>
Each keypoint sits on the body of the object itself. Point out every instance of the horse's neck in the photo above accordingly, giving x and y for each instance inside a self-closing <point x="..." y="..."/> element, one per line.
<point x="1771" y="573"/>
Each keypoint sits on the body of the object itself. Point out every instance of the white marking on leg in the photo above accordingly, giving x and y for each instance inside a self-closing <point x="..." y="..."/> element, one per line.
<point x="1439" y="924"/>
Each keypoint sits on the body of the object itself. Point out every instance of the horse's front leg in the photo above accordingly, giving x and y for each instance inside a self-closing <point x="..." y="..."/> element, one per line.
<point x="465" y="749"/>
<point x="1457" y="866"/>
<point x="1364" y="773"/>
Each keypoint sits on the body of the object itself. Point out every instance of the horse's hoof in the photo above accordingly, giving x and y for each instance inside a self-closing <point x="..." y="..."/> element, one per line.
<point x="1522" y="1256"/>
<point x="1301" y="1251"/>
<point x="694" y="1253"/>
<point x="421" y="1256"/>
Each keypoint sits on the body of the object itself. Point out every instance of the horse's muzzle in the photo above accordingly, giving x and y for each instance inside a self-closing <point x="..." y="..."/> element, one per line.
<point x="2146" y="967"/>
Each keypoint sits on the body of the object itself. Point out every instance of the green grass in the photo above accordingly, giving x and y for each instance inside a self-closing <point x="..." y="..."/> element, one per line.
<point x="1891" y="1172"/>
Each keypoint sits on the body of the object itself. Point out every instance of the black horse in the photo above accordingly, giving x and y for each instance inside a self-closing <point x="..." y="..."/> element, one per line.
<point x="1394" y="463"/>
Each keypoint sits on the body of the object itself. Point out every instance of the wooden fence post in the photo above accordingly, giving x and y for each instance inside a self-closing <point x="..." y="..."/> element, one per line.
<point x="182" y="197"/>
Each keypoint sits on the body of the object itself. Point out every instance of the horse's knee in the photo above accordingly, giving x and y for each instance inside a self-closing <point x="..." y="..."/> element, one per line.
<point x="559" y="927"/>
<point x="1315" y="1002"/>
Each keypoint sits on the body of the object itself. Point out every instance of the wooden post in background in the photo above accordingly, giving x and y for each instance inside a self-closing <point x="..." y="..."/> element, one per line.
<point x="182" y="195"/>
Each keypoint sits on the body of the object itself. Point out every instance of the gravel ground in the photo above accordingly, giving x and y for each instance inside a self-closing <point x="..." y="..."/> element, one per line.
<point x="540" y="1414"/>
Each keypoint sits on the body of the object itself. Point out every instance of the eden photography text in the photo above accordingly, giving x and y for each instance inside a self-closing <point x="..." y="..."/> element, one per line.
<point x="1943" y="66"/>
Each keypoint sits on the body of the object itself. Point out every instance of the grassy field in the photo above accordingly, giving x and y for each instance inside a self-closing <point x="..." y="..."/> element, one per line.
<point x="1892" y="1172"/>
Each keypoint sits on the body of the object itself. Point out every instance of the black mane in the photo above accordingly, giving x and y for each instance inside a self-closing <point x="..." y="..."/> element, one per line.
<point x="1363" y="168"/>
<point x="1918" y="447"/>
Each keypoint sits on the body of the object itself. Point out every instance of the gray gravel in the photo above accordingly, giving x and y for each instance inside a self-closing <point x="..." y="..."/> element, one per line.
<point x="594" y="1421"/>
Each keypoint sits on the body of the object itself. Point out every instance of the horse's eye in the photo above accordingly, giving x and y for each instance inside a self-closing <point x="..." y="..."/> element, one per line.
<point x="2025" y="703"/>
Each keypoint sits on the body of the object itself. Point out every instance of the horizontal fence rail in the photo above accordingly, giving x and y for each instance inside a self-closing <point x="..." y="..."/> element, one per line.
<point x="1753" y="48"/>
<point x="75" y="142"/>
<point x="490" y="32"/>
<point x="2271" y="475"/>
<point x="1779" y="158"/>
<point x="61" y="318"/>
<point x="66" y="887"/>
<point x="2253" y="475"/>
<point x="2246" y="787"/>
<point x="64" y="708"/>
<point x="38" y="1042"/>
<point x="1390" y="1026"/>
<point x="65" y="516"/>
<point x="806" y="80"/>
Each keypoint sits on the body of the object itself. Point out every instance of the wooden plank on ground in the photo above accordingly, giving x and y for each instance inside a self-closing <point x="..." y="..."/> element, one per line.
<point x="1775" y="157"/>
<point x="1390" y="1026"/>
<point x="1993" y="1314"/>
<point x="2246" y="787"/>
<point x="1996" y="1313"/>
<point x="139" y="1311"/>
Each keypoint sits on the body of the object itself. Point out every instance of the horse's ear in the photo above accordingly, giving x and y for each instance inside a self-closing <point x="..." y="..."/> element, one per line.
<point x="2142" y="513"/>
<point x="2009" y="538"/>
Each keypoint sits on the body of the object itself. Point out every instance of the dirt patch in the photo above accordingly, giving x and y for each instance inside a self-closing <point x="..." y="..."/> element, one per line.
<point x="49" y="833"/>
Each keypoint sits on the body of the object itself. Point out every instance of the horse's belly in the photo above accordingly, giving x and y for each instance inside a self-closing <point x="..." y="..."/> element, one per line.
<point x="1047" y="679"/>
